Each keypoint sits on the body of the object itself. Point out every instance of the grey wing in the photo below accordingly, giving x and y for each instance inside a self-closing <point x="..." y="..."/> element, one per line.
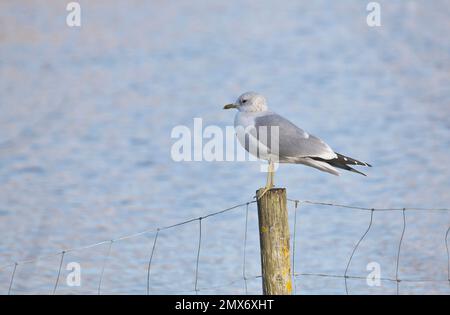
<point x="294" y="142"/>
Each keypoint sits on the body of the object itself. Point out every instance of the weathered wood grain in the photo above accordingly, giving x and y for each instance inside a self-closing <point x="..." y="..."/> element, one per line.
<point x="274" y="242"/>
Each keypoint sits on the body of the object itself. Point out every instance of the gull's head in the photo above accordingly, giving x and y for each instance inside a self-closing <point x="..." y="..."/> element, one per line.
<point x="249" y="102"/>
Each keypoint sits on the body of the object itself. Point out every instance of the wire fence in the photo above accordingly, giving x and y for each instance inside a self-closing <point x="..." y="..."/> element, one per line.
<point x="245" y="277"/>
<point x="397" y="280"/>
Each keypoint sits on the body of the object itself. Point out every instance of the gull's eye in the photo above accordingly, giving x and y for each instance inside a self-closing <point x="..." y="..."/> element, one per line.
<point x="244" y="101"/>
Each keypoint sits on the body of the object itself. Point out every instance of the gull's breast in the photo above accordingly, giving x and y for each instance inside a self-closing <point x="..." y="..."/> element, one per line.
<point x="246" y="133"/>
<point x="244" y="119"/>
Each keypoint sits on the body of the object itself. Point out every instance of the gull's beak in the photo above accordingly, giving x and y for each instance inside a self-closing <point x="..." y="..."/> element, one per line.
<point x="228" y="106"/>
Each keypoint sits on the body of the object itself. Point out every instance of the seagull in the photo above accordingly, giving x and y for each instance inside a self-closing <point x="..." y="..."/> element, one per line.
<point x="290" y="144"/>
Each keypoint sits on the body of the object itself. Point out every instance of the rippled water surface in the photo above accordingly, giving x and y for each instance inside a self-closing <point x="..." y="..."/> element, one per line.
<point x="86" y="117"/>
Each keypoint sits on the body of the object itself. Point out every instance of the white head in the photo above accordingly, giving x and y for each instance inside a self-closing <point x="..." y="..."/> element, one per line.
<point x="249" y="102"/>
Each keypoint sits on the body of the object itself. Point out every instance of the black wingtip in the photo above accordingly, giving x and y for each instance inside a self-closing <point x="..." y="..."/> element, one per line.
<point x="351" y="169"/>
<point x="348" y="160"/>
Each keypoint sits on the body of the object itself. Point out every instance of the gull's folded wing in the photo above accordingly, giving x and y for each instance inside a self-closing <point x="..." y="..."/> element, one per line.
<point x="294" y="142"/>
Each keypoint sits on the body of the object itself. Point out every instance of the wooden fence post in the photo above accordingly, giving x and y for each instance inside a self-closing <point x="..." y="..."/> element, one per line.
<point x="274" y="242"/>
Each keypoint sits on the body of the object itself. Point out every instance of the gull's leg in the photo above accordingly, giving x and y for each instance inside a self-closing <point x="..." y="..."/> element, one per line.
<point x="269" y="181"/>
<point x="272" y="174"/>
<point x="269" y="175"/>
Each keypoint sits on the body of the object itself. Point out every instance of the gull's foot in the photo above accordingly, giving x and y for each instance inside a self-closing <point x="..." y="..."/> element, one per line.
<point x="260" y="193"/>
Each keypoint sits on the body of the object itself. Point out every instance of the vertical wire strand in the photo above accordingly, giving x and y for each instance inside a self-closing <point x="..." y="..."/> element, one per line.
<point x="150" y="261"/>
<point x="198" y="254"/>
<point x="355" y="248"/>
<point x="12" y="278"/>
<point x="399" y="250"/>
<point x="244" y="275"/>
<point x="448" y="254"/>
<point x="104" y="266"/>
<point x="59" y="271"/>
<point x="293" y="245"/>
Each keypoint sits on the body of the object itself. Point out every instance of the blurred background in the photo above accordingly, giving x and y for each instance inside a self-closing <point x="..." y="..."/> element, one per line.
<point x="86" y="116"/>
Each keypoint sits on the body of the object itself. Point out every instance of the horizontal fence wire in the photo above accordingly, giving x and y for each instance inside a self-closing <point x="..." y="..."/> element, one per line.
<point x="245" y="278"/>
<point x="331" y="204"/>
<point x="328" y="275"/>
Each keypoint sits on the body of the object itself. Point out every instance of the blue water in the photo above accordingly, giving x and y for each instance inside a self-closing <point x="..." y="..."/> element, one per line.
<point x="87" y="113"/>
